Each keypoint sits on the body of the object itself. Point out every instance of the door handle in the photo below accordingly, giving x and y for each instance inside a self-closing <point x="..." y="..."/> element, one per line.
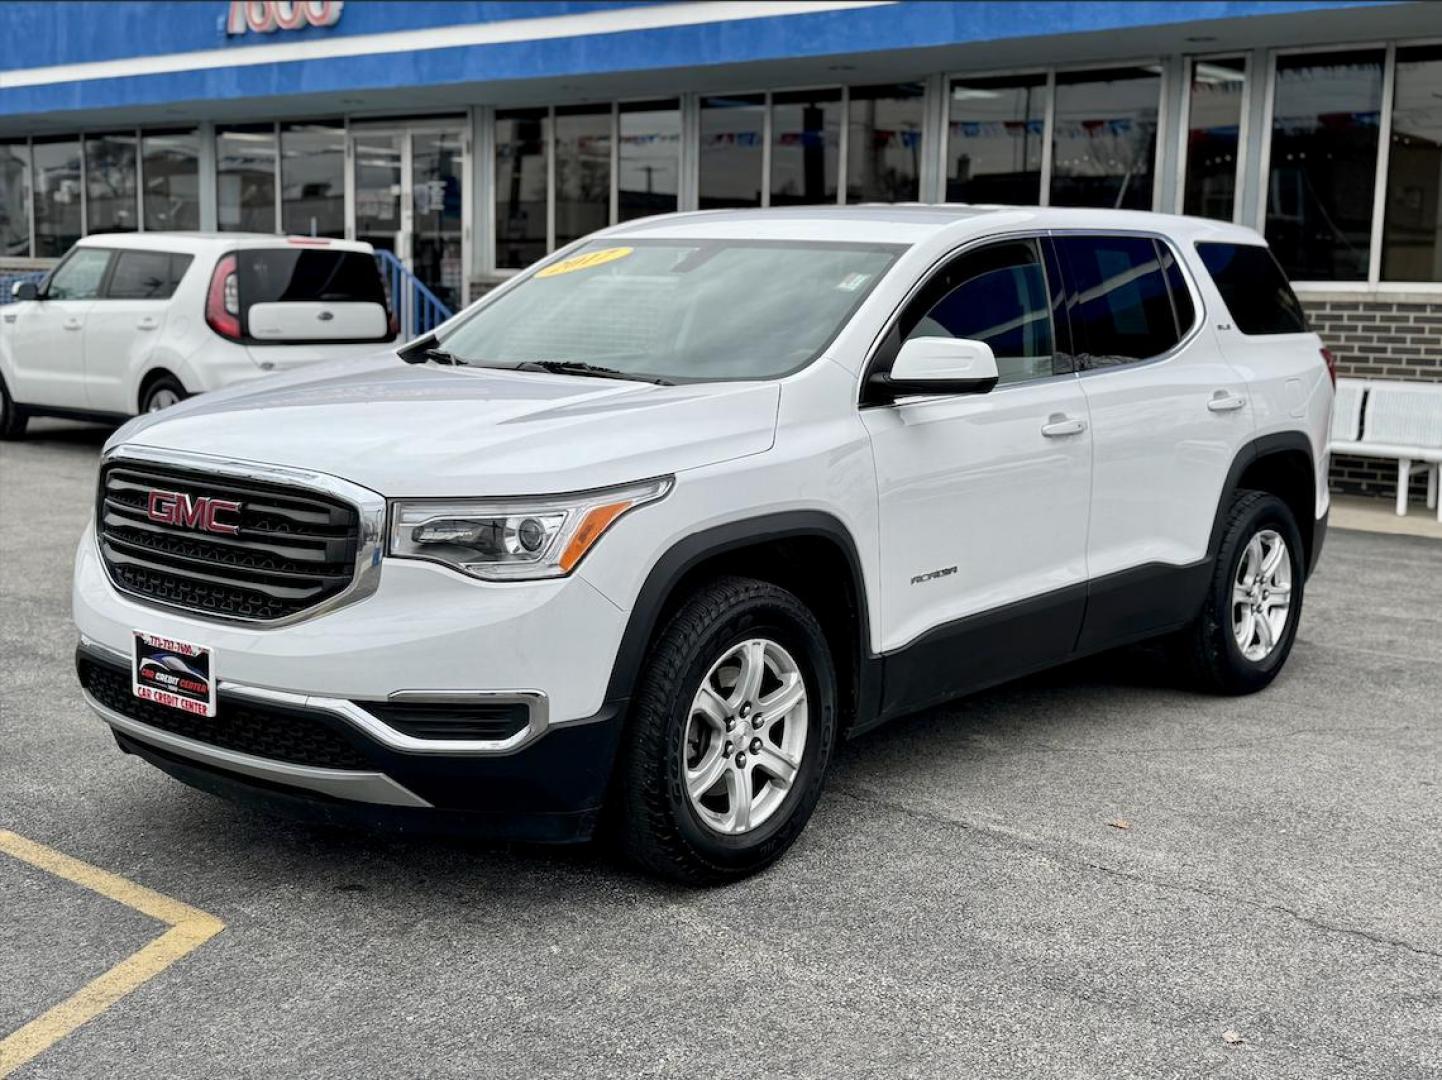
<point x="72" y="323"/>
<point x="1225" y="402"/>
<point x="146" y="322"/>
<point x="1059" y="424"/>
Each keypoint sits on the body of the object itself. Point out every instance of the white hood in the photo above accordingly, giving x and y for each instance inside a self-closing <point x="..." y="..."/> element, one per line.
<point x="409" y="430"/>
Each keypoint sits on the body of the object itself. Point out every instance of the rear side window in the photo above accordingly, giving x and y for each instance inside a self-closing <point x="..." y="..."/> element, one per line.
<point x="293" y="275"/>
<point x="1118" y="299"/>
<point x="146" y="275"/>
<point x="1254" y="288"/>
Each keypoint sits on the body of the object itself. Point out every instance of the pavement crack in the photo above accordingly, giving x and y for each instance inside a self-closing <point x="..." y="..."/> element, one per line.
<point x="1049" y="852"/>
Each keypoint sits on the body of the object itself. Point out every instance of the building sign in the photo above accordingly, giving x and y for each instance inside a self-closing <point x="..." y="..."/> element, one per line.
<point x="268" y="16"/>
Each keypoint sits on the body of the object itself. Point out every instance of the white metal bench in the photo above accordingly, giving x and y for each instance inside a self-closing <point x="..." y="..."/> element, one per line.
<point x="1397" y="420"/>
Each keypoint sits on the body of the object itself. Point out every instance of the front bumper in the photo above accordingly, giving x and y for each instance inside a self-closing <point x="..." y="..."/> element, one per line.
<point x="321" y="759"/>
<point x="425" y="636"/>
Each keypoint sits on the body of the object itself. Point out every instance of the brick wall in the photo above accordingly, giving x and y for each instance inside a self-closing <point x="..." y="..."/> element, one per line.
<point x="1378" y="336"/>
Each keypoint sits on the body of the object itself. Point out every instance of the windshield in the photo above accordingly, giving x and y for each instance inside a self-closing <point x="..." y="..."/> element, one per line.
<point x="678" y="310"/>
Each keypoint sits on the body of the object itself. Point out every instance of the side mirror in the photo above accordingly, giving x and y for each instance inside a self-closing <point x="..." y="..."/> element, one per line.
<point x="25" y="290"/>
<point x="936" y="365"/>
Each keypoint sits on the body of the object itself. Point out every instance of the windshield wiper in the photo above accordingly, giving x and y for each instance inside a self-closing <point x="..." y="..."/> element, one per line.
<point x="577" y="367"/>
<point x="440" y="356"/>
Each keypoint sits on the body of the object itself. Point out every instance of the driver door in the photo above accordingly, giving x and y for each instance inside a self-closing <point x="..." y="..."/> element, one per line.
<point x="48" y="339"/>
<point x="984" y="498"/>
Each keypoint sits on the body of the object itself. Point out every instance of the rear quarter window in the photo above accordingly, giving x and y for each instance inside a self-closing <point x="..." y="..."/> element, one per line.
<point x="293" y="275"/>
<point x="1254" y="288"/>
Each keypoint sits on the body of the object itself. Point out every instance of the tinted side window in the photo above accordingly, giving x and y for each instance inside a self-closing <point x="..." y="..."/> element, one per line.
<point x="1117" y="297"/>
<point x="144" y="275"/>
<point x="293" y="274"/>
<point x="1254" y="288"/>
<point x="997" y="295"/>
<point x="1182" y="306"/>
<point x="79" y="276"/>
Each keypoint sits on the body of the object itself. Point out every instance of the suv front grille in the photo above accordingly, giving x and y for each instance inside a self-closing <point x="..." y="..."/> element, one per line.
<point x="292" y="549"/>
<point x="279" y="733"/>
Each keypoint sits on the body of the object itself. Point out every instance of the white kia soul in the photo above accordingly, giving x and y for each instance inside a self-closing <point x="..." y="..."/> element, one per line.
<point x="130" y="323"/>
<point x="656" y="523"/>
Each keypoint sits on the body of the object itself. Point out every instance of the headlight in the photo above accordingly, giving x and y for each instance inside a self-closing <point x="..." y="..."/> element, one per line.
<point x="511" y="539"/>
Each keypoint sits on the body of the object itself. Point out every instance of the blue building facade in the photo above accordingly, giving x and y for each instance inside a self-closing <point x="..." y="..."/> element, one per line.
<point x="471" y="138"/>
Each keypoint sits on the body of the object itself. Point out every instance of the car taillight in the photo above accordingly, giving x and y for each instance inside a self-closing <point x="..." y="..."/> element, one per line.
<point x="222" y="301"/>
<point x="395" y="326"/>
<point x="1331" y="362"/>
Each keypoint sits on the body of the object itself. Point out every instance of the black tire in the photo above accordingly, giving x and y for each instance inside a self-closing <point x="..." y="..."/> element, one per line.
<point x="1208" y="648"/>
<point x="13" y="418"/>
<point x="165" y="384"/>
<point x="658" y="827"/>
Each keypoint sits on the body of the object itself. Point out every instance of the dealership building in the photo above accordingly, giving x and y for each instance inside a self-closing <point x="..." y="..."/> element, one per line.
<point x="472" y="138"/>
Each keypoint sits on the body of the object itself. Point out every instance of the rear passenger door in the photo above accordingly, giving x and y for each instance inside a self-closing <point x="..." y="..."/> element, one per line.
<point x="1168" y="416"/>
<point x="126" y="326"/>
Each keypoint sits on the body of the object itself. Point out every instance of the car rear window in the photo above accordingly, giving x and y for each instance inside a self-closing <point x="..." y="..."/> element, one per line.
<point x="1254" y="288"/>
<point x="293" y="275"/>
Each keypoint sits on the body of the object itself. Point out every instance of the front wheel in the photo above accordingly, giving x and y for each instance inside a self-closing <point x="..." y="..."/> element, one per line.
<point x="12" y="417"/>
<point x="1248" y="622"/>
<point x="729" y="735"/>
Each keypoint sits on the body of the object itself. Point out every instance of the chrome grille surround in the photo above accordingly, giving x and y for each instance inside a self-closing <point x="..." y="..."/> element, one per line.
<point x="362" y="545"/>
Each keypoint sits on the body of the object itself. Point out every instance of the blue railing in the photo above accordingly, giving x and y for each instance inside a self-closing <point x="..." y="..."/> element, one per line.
<point x="8" y="278"/>
<point x="417" y="309"/>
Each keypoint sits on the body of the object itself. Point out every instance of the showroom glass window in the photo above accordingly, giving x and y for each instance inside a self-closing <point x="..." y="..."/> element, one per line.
<point x="733" y="151"/>
<point x="57" y="195"/>
<point x="14" y="199"/>
<point x="521" y="140"/>
<point x="1412" y="228"/>
<point x="1214" y="126"/>
<point x="805" y="146"/>
<point x="994" y="140"/>
<point x="1104" y="146"/>
<point x="171" y="174"/>
<point x="1323" y="169"/>
<point x="583" y="171"/>
<point x="312" y="179"/>
<point x="245" y="178"/>
<point x="883" y="149"/>
<point x="110" y="183"/>
<point x="650" y="158"/>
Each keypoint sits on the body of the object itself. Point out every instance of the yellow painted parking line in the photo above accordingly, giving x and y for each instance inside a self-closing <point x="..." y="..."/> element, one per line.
<point x="189" y="929"/>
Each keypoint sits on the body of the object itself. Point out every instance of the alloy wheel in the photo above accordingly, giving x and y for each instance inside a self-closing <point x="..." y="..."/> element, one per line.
<point x="1261" y="595"/>
<point x="162" y="399"/>
<point x="745" y="736"/>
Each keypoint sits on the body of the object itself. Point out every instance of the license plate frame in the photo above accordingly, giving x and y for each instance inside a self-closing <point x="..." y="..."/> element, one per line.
<point x="176" y="674"/>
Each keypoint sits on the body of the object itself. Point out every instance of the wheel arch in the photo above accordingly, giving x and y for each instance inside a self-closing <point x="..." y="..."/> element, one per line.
<point x="1280" y="464"/>
<point x="807" y="552"/>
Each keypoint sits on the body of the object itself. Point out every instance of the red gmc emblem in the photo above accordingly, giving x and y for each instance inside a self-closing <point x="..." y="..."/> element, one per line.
<point x="192" y="511"/>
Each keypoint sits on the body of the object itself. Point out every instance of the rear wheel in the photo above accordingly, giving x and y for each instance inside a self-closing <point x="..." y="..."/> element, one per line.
<point x="1249" y="620"/>
<point x="161" y="394"/>
<point x="729" y="736"/>
<point x="12" y="417"/>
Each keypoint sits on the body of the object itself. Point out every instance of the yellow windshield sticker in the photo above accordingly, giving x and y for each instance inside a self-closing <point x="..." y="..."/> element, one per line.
<point x="585" y="262"/>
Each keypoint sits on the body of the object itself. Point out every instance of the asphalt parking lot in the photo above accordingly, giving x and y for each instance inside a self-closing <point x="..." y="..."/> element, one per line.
<point x="962" y="904"/>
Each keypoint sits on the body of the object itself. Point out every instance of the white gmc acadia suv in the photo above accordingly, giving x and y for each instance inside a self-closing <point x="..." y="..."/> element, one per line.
<point x="134" y="322"/>
<point x="657" y="522"/>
